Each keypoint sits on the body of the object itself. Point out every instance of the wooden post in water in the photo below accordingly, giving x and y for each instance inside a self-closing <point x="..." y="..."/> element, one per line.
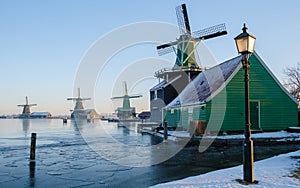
<point x="165" y="130"/>
<point x="31" y="172"/>
<point x="33" y="144"/>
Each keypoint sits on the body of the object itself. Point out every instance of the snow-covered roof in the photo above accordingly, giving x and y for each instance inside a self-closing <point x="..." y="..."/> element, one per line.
<point x="159" y="86"/>
<point x="208" y="83"/>
<point x="39" y="114"/>
<point x="88" y="111"/>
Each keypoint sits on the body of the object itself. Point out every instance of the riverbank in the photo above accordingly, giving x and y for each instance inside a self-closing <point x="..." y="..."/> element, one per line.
<point x="281" y="171"/>
<point x="259" y="138"/>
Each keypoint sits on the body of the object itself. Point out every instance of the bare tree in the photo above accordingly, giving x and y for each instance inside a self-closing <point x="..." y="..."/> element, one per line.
<point x="292" y="83"/>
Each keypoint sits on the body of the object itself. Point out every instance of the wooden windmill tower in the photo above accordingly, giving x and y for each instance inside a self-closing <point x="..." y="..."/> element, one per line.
<point x="78" y="109"/>
<point x="26" y="109"/>
<point x="126" y="112"/>
<point x="185" y="68"/>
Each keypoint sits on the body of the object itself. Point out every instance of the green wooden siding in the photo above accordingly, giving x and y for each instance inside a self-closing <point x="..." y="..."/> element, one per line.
<point x="234" y="113"/>
<point x="277" y="110"/>
<point x="181" y="117"/>
<point x="199" y="112"/>
<point x="172" y="116"/>
<point x="254" y="117"/>
<point x="226" y="110"/>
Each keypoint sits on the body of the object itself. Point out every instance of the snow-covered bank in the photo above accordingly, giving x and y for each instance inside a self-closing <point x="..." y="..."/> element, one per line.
<point x="276" y="172"/>
<point x="278" y="135"/>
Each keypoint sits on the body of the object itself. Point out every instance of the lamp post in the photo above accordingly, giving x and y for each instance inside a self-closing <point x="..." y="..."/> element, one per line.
<point x="245" y="45"/>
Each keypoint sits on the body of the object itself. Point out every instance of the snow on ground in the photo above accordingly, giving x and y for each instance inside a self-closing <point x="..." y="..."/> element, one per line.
<point x="279" y="134"/>
<point x="278" y="171"/>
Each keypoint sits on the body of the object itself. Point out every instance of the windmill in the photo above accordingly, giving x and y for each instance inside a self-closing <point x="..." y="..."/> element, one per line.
<point x="26" y="109"/>
<point x="126" y="112"/>
<point x="173" y="81"/>
<point x="78" y="106"/>
<point x="187" y="41"/>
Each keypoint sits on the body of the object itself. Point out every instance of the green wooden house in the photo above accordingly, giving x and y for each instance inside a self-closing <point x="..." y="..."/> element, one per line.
<point x="216" y="97"/>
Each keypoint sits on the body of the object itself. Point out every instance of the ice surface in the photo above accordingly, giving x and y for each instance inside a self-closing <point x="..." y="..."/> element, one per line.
<point x="63" y="159"/>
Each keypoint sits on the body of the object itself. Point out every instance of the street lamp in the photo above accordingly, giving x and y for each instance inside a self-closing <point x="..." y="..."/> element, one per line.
<point x="245" y="45"/>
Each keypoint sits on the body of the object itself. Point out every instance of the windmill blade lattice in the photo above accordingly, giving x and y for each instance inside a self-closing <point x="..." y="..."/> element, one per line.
<point x="211" y="32"/>
<point x="166" y="50"/>
<point x="183" y="20"/>
<point x="180" y="20"/>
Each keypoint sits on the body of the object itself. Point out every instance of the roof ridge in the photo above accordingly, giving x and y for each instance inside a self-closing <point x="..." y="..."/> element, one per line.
<point x="208" y="83"/>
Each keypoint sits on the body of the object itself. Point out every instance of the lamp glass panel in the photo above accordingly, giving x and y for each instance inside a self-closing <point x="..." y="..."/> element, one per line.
<point x="251" y="42"/>
<point x="242" y="44"/>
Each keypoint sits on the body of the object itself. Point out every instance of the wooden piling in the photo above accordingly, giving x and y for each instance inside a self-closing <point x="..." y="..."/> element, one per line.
<point x="31" y="169"/>
<point x="165" y="130"/>
<point x="33" y="145"/>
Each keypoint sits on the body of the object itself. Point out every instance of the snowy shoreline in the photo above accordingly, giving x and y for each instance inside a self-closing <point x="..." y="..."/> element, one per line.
<point x="278" y="171"/>
<point x="278" y="136"/>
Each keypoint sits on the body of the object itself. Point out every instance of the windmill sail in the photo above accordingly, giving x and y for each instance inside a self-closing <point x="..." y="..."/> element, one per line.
<point x="182" y="19"/>
<point x="211" y="32"/>
<point x="185" y="46"/>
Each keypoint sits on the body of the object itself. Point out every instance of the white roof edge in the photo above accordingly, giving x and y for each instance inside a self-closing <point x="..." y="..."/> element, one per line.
<point x="274" y="77"/>
<point x="186" y="105"/>
<point x="223" y="86"/>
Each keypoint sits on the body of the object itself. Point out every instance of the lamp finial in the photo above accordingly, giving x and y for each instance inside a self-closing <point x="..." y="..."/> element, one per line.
<point x="245" y="28"/>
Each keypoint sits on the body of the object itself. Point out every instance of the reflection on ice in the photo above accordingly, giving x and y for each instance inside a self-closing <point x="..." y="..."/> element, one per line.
<point x="25" y="125"/>
<point x="125" y="146"/>
<point x="119" y="143"/>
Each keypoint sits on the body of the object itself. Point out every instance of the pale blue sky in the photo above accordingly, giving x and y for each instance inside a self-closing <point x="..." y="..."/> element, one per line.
<point x="42" y="42"/>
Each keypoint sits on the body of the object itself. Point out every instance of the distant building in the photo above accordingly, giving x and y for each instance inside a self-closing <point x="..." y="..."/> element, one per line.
<point x="40" y="115"/>
<point x="26" y="114"/>
<point x="144" y="115"/>
<point x="79" y="111"/>
<point x="85" y="114"/>
<point x="215" y="98"/>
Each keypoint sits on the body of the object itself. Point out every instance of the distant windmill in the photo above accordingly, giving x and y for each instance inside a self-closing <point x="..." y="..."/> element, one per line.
<point x="26" y="109"/>
<point x="126" y="111"/>
<point x="186" y="44"/>
<point x="78" y="105"/>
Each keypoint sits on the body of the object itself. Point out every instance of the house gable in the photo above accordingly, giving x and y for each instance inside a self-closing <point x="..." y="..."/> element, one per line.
<point x="277" y="108"/>
<point x="223" y="108"/>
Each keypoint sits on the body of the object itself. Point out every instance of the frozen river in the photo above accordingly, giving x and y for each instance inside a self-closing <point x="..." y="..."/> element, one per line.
<point x="102" y="154"/>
